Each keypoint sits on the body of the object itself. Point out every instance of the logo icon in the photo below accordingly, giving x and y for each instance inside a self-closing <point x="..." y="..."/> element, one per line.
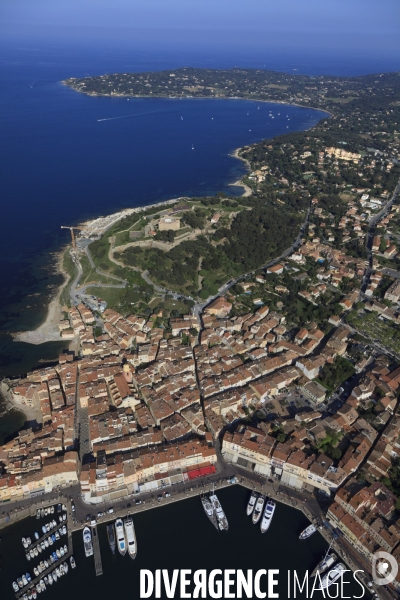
<point x="384" y="568"/>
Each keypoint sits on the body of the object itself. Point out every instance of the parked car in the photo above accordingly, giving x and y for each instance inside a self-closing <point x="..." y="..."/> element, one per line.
<point x="110" y="510"/>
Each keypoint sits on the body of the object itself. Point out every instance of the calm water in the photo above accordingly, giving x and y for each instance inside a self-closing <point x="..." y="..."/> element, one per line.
<point x="60" y="165"/>
<point x="178" y="536"/>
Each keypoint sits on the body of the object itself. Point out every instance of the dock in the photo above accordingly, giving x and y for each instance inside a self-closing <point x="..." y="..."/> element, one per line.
<point x="52" y="567"/>
<point x="96" y="551"/>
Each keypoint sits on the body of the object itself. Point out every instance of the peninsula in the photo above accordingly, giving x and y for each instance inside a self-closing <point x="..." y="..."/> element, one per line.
<point x="257" y="335"/>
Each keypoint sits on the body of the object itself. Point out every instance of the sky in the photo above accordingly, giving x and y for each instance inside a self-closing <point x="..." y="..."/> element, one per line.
<point x="342" y="24"/>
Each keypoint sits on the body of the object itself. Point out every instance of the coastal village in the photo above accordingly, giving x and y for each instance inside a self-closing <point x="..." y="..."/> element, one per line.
<point x="305" y="403"/>
<point x="289" y="371"/>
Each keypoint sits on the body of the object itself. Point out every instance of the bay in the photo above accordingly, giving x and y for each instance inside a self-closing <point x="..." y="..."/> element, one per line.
<point x="62" y="164"/>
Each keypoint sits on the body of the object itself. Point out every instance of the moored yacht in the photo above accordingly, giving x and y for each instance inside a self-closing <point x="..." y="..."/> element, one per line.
<point x="121" y="541"/>
<point x="267" y="516"/>
<point x="251" y="503"/>
<point x="87" y="542"/>
<point x="332" y="575"/>
<point x="130" y="537"/>
<point x="222" y="520"/>
<point x="258" y="509"/>
<point x="327" y="562"/>
<point x="307" y="532"/>
<point x="209" y="510"/>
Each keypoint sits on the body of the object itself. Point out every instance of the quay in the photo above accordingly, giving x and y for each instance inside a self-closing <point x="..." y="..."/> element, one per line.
<point x="299" y="499"/>
<point x="96" y="551"/>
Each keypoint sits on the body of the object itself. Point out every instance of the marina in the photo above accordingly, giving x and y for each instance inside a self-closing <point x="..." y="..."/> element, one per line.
<point x="55" y="560"/>
<point x="218" y="549"/>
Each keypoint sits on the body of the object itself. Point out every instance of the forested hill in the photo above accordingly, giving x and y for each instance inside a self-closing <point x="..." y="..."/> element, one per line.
<point x="325" y="92"/>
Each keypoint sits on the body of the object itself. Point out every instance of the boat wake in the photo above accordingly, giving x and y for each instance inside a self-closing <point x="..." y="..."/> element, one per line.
<point x="150" y="112"/>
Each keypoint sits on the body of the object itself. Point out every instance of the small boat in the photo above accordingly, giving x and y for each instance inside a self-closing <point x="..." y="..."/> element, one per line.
<point x="31" y="553"/>
<point x="57" y="535"/>
<point x="28" y="577"/>
<point x="43" y="546"/>
<point x="222" y="520"/>
<point x="54" y="576"/>
<point x="72" y="561"/>
<point x="251" y="503"/>
<point x="209" y="510"/>
<point x="42" y="513"/>
<point x="24" y="542"/>
<point x="35" y="552"/>
<point x="307" y="532"/>
<point x="29" y="594"/>
<point x="60" y="518"/>
<point x="46" y="543"/>
<point x="58" y="552"/>
<point x="24" y="580"/>
<point x="332" y="575"/>
<point x="65" y="567"/>
<point x="111" y="537"/>
<point x="28" y="541"/>
<point x="52" y="510"/>
<point x="28" y="556"/>
<point x="46" y="580"/>
<point x="19" y="581"/>
<point x="46" y="511"/>
<point x="42" y="565"/>
<point x="258" y="509"/>
<point x="46" y="564"/>
<point x="58" y="508"/>
<point x="34" y="593"/>
<point x="65" y="549"/>
<point x="267" y="516"/>
<point x="121" y="541"/>
<point x="50" y="578"/>
<point x="39" y="548"/>
<point x="53" y="537"/>
<point x="15" y="586"/>
<point x="50" y="541"/>
<point x="87" y="541"/>
<point x="38" y="513"/>
<point x="64" y="530"/>
<point x="36" y="571"/>
<point x="130" y="537"/>
<point x="64" y="517"/>
<point x="62" y="551"/>
<point x="37" y="536"/>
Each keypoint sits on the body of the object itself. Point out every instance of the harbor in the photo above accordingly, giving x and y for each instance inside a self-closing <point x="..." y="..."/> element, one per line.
<point x="188" y="526"/>
<point x="188" y="517"/>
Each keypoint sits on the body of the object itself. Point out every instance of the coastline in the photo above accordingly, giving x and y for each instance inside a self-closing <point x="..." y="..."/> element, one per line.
<point x="247" y="190"/>
<point x="48" y="331"/>
<point x="30" y="413"/>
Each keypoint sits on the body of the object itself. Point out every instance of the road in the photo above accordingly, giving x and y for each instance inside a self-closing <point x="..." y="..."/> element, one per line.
<point x="76" y="291"/>
<point x="370" y="234"/>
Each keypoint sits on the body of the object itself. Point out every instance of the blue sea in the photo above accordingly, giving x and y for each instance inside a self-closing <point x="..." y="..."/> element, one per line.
<point x="60" y="165"/>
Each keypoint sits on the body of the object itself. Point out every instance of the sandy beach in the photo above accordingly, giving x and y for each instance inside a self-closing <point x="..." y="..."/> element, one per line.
<point x="48" y="331"/>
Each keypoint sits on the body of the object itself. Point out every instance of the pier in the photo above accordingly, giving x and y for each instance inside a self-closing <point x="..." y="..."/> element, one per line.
<point x="96" y="551"/>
